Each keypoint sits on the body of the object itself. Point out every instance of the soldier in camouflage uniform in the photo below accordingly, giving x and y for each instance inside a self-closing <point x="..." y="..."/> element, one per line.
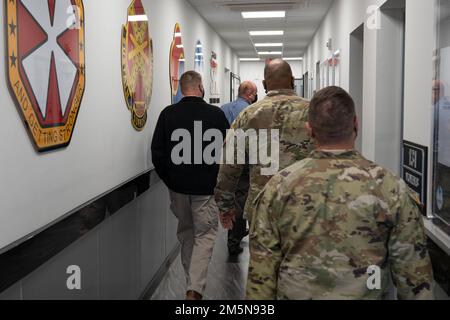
<point x="320" y="224"/>
<point x="283" y="110"/>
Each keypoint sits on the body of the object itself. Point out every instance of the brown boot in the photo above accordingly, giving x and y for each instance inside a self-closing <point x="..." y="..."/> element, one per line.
<point x="192" y="295"/>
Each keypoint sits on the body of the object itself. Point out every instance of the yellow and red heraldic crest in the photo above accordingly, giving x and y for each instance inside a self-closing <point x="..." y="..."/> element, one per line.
<point x="46" y="66"/>
<point x="137" y="64"/>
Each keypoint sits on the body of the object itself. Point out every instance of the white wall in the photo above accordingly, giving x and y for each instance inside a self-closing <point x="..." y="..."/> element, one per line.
<point x="344" y="17"/>
<point x="37" y="189"/>
<point x="419" y="45"/>
<point x="254" y="71"/>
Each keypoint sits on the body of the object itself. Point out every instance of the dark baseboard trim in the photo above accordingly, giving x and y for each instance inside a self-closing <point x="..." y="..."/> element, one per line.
<point x="22" y="258"/>
<point x="159" y="276"/>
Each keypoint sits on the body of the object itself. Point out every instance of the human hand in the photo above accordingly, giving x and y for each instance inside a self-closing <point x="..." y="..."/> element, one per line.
<point x="227" y="219"/>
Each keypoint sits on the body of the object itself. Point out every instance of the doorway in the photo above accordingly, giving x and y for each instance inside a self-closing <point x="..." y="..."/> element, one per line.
<point x="357" y="76"/>
<point x="390" y="86"/>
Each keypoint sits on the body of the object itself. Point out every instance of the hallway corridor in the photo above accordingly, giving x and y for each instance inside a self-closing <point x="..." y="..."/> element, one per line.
<point x="226" y="275"/>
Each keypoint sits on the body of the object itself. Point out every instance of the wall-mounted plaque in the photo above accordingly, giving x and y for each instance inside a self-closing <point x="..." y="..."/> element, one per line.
<point x="137" y="64"/>
<point x="177" y="64"/>
<point x="215" y="94"/>
<point x="199" y="61"/>
<point x="45" y="66"/>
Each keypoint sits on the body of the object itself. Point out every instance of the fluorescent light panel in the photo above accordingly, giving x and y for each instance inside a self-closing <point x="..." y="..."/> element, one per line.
<point x="268" y="44"/>
<point x="267" y="33"/>
<point x="263" y="14"/>
<point x="268" y="53"/>
<point x="250" y="59"/>
<point x="137" y="18"/>
<point x="293" y="59"/>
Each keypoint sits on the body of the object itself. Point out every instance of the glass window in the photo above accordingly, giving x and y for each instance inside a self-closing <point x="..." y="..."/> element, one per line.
<point x="441" y="104"/>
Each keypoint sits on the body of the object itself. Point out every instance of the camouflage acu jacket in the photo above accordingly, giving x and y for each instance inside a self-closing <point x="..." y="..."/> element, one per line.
<point x="281" y="110"/>
<point x="320" y="224"/>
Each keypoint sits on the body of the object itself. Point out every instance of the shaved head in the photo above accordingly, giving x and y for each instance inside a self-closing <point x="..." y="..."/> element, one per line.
<point x="278" y="75"/>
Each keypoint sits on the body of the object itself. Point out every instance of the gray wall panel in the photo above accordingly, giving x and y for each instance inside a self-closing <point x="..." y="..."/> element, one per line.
<point x="118" y="255"/>
<point x="13" y="293"/>
<point x="152" y="218"/>
<point x="50" y="280"/>
<point x="171" y="228"/>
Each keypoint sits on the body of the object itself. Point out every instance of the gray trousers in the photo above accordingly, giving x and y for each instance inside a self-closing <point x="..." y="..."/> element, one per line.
<point x="198" y="221"/>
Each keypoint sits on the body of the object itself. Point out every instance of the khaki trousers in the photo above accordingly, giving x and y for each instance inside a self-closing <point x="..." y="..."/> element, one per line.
<point x="198" y="221"/>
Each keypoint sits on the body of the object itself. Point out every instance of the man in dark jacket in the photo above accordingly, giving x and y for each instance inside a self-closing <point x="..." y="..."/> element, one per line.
<point x="186" y="148"/>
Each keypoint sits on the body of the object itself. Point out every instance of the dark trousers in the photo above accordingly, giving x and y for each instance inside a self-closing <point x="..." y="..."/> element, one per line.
<point x="239" y="230"/>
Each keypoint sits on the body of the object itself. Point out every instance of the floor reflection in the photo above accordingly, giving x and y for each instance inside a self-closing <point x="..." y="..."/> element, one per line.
<point x="227" y="276"/>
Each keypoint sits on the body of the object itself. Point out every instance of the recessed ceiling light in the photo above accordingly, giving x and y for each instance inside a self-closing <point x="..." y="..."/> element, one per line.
<point x="293" y="59"/>
<point x="268" y="53"/>
<point x="263" y="14"/>
<point x="268" y="44"/>
<point x="250" y="59"/>
<point x="267" y="33"/>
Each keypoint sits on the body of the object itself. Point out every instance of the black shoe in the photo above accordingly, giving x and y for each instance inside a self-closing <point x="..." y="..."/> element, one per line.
<point x="235" y="251"/>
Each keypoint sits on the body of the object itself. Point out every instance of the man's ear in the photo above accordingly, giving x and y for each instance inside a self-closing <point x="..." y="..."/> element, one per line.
<point x="356" y="123"/>
<point x="265" y="85"/>
<point x="309" y="129"/>
<point x="293" y="83"/>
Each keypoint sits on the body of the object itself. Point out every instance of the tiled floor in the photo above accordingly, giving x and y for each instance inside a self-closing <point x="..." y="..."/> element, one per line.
<point x="226" y="276"/>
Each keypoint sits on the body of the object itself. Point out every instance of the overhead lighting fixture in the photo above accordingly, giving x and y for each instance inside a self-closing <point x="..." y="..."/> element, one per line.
<point x="267" y="33"/>
<point x="293" y="59"/>
<point x="268" y="53"/>
<point x="268" y="44"/>
<point x="263" y="14"/>
<point x="137" y="18"/>
<point x="250" y="59"/>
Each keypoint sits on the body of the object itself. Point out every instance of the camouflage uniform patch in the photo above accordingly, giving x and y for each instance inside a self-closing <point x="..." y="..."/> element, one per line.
<point x="321" y="223"/>
<point x="282" y="110"/>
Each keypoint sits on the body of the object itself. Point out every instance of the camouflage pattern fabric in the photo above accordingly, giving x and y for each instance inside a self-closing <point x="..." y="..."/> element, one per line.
<point x="319" y="224"/>
<point x="282" y="110"/>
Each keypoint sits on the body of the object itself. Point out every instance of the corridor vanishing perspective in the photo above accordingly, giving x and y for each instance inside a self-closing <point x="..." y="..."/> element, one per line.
<point x="225" y="150"/>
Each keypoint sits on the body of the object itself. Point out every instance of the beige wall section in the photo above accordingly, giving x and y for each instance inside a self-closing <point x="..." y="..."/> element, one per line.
<point x="37" y="189"/>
